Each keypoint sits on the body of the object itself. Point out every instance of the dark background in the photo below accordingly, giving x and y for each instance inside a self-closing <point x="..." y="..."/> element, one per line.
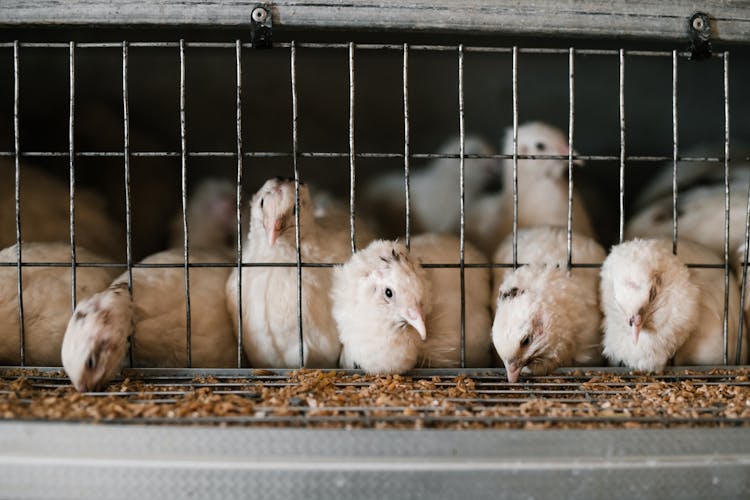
<point x="322" y="82"/>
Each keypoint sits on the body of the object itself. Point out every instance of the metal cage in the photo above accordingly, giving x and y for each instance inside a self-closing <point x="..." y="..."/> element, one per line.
<point x="710" y="459"/>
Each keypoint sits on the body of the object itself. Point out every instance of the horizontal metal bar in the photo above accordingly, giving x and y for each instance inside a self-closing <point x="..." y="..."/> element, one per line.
<point x="357" y="46"/>
<point x="321" y="154"/>
<point x="175" y="265"/>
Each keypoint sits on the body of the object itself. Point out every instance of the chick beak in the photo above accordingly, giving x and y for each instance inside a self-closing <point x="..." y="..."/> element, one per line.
<point x="513" y="371"/>
<point x="81" y="386"/>
<point x="273" y="231"/>
<point x="635" y="326"/>
<point x="415" y="318"/>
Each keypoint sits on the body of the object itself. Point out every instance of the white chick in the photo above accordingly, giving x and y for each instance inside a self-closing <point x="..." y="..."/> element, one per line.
<point x="656" y="309"/>
<point x="97" y="336"/>
<point x="547" y="316"/>
<point x="393" y="315"/>
<point x="212" y="216"/>
<point x="700" y="217"/>
<point x="542" y="190"/>
<point x="434" y="190"/>
<point x="333" y="215"/>
<point x="47" y="303"/>
<point x="45" y="216"/>
<point x="96" y="341"/>
<point x="269" y="294"/>
<point x="694" y="173"/>
<point x="739" y="255"/>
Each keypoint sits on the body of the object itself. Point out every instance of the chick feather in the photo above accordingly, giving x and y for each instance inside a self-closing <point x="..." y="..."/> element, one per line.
<point x="45" y="213"/>
<point x="393" y="315"/>
<point x="269" y="293"/>
<point x="47" y="304"/>
<point x="546" y="316"/>
<point x="433" y="190"/>
<point x="542" y="190"/>
<point x="700" y="217"/>
<point x="657" y="309"/>
<point x="154" y="320"/>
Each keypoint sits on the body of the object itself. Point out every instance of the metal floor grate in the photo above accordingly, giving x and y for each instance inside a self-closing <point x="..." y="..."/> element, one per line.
<point x="471" y="399"/>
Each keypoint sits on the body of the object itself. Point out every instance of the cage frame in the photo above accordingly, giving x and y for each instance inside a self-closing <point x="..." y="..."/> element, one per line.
<point x="59" y="458"/>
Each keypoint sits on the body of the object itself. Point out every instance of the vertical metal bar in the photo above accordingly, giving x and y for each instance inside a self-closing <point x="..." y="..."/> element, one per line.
<point x="295" y="160"/>
<point x="726" y="206"/>
<point x="405" y="68"/>
<point x="462" y="236"/>
<point x="622" y="145"/>
<point x="351" y="147"/>
<point x="515" y="157"/>
<point x="126" y="158"/>
<point x="183" y="175"/>
<point x="238" y="57"/>
<point x="71" y="174"/>
<point x="570" y="156"/>
<point x="674" y="152"/>
<point x="17" y="158"/>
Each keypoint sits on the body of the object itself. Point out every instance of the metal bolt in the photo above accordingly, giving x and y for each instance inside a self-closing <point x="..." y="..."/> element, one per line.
<point x="259" y="14"/>
<point x="697" y="23"/>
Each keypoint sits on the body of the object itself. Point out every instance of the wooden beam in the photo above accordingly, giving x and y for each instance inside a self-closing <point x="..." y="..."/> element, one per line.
<point x="648" y="19"/>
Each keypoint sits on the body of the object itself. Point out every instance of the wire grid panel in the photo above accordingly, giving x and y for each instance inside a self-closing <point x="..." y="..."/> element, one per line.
<point x="443" y="399"/>
<point x="241" y="153"/>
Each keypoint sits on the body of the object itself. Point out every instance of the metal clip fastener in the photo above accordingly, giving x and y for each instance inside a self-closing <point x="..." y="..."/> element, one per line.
<point x="699" y="34"/>
<point x="261" y="27"/>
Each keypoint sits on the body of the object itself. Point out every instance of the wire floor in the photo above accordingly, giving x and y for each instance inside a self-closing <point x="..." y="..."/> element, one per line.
<point x="459" y="399"/>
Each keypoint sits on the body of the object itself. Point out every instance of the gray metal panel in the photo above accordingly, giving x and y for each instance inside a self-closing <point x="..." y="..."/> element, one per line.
<point x="645" y="18"/>
<point x="89" y="461"/>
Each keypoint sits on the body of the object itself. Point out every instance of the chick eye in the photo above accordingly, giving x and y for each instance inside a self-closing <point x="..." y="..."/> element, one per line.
<point x="525" y="341"/>
<point x="90" y="363"/>
<point x="261" y="202"/>
<point x="388" y="293"/>
<point x="540" y="146"/>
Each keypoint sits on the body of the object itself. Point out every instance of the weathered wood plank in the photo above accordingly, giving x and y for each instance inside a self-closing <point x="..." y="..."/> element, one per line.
<point x="653" y="19"/>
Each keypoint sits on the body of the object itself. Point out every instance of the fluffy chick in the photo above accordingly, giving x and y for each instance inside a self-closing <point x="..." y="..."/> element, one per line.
<point x="394" y="315"/>
<point x="96" y="340"/>
<point x="434" y="190"/>
<point x="97" y="336"/>
<point x="269" y="294"/>
<point x="46" y="300"/>
<point x="547" y="316"/>
<point x="542" y="190"/>
<point x="212" y="216"/>
<point x="45" y="216"/>
<point x="700" y="217"/>
<point x="333" y="216"/>
<point x="657" y="309"/>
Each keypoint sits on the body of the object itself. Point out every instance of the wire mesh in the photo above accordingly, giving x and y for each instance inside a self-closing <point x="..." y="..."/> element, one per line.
<point x="490" y="397"/>
<point x="602" y="398"/>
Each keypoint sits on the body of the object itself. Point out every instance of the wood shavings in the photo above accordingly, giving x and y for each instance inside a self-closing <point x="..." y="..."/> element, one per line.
<point x="314" y="398"/>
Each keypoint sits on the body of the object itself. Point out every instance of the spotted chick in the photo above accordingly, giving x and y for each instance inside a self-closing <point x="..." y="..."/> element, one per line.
<point x="47" y="304"/>
<point x="546" y="315"/>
